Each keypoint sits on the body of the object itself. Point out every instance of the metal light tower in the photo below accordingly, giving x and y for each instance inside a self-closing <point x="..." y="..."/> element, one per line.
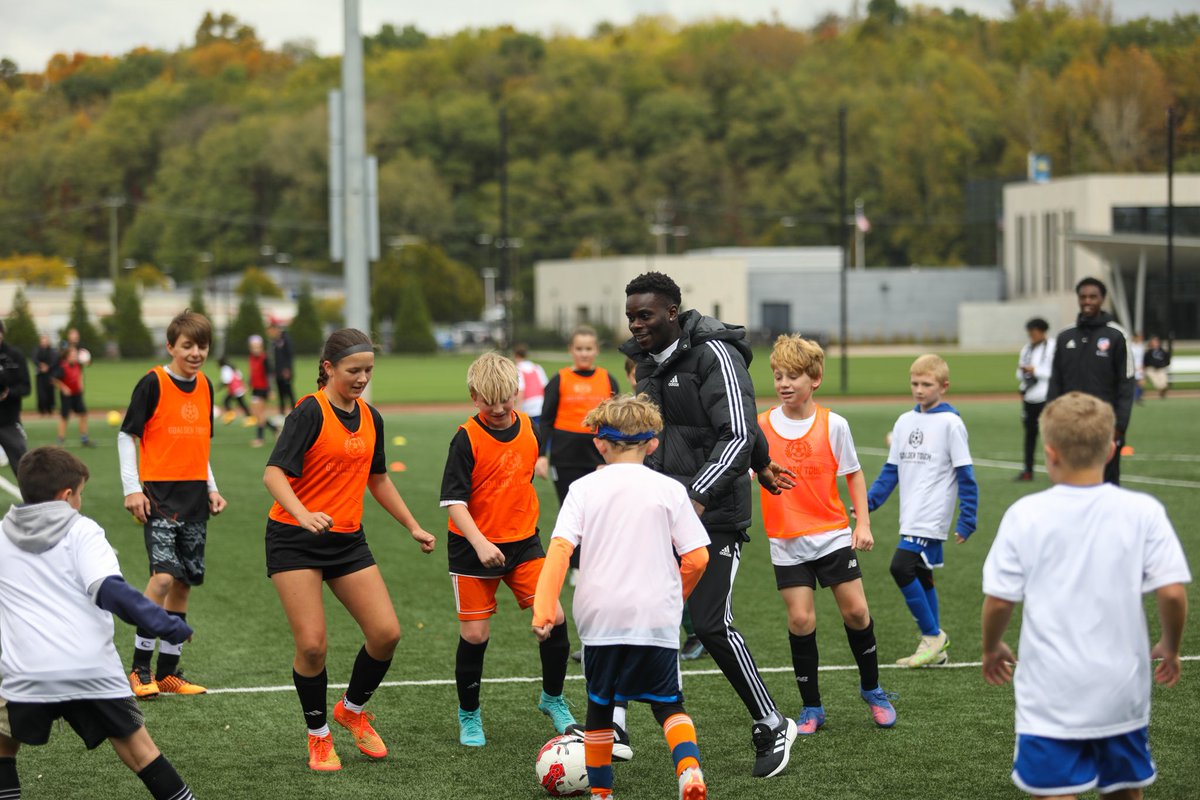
<point x="354" y="147"/>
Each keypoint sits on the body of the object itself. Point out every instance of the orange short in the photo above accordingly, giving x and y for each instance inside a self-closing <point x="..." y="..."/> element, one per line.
<point x="475" y="598"/>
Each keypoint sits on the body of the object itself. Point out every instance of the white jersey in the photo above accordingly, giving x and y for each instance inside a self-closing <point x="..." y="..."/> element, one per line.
<point x="926" y="449"/>
<point x="531" y="387"/>
<point x="56" y="644"/>
<point x="1040" y="356"/>
<point x="802" y="549"/>
<point x="628" y="522"/>
<point x="1080" y="559"/>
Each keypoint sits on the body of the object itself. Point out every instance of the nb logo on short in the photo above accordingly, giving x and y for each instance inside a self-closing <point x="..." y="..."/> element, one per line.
<point x="853" y="563"/>
<point x="674" y="381"/>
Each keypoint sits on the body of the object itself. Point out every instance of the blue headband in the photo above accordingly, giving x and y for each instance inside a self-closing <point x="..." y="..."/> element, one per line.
<point x="613" y="435"/>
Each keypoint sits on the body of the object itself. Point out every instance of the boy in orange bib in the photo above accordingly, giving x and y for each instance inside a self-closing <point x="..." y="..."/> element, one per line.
<point x="488" y="490"/>
<point x="809" y="529"/>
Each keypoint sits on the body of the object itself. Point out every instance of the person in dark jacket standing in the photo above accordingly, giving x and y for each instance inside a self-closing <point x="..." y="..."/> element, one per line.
<point x="46" y="359"/>
<point x="14" y="385"/>
<point x="281" y="345"/>
<point x="1092" y="356"/>
<point x="694" y="369"/>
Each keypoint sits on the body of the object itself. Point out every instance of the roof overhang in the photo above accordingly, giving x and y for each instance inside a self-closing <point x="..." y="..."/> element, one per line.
<point x="1128" y="249"/>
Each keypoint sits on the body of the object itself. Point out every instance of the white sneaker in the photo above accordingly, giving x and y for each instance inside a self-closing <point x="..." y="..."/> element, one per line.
<point x="931" y="651"/>
<point x="622" y="750"/>
<point x="691" y="785"/>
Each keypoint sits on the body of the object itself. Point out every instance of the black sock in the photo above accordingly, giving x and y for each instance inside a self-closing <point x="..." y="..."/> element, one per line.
<point x="366" y="677"/>
<point x="10" y="784"/>
<point x="862" y="645"/>
<point x="555" y="651"/>
<point x="312" y="691"/>
<point x="163" y="781"/>
<point x="804" y="663"/>
<point x="468" y="672"/>
<point x="168" y="663"/>
<point x="141" y="656"/>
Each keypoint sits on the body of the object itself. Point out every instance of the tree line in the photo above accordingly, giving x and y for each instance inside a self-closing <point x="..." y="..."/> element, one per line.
<point x="651" y="135"/>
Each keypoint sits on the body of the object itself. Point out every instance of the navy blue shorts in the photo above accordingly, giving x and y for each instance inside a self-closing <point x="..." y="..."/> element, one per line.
<point x="625" y="672"/>
<point x="1044" y="766"/>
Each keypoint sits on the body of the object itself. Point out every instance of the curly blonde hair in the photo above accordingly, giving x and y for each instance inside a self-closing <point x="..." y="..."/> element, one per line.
<point x="492" y="378"/>
<point x="794" y="353"/>
<point x="630" y="415"/>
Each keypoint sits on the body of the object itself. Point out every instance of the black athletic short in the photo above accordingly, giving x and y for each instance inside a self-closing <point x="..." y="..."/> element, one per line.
<point x="262" y="394"/>
<point x="839" y="566"/>
<point x="291" y="547"/>
<point x="93" y="720"/>
<point x="69" y="403"/>
<point x="623" y="672"/>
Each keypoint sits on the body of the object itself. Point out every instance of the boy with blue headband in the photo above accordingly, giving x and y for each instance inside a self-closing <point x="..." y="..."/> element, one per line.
<point x="628" y="522"/>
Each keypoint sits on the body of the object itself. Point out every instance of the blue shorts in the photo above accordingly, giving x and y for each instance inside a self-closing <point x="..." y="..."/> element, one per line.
<point x="625" y="672"/>
<point x="930" y="550"/>
<point x="1044" y="766"/>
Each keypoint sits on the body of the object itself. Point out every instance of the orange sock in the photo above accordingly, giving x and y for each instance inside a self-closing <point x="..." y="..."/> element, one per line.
<point x="597" y="750"/>
<point x="681" y="738"/>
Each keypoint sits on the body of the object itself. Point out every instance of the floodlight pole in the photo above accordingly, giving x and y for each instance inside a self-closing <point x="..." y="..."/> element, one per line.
<point x="844" y="236"/>
<point x="1170" y="316"/>
<point x="354" y="147"/>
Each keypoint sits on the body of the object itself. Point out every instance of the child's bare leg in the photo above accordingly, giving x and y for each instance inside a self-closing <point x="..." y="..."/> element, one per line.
<point x="158" y="587"/>
<point x="62" y="428"/>
<point x="141" y="755"/>
<point x="852" y="602"/>
<point x="1123" y="794"/>
<point x="365" y="596"/>
<point x="83" y="425"/>
<point x="176" y="596"/>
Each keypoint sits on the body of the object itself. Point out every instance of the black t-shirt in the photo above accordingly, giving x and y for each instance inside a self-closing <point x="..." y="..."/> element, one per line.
<point x="566" y="448"/>
<point x="302" y="427"/>
<point x="460" y="463"/>
<point x="184" y="501"/>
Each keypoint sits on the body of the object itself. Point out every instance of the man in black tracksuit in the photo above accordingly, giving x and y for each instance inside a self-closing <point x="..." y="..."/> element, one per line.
<point x="1093" y="357"/>
<point x="694" y="368"/>
<point x="14" y="385"/>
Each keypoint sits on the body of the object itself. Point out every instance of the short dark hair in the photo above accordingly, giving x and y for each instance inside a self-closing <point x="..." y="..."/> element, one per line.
<point x="655" y="283"/>
<point x="191" y="324"/>
<point x="1099" y="284"/>
<point x="43" y="472"/>
<point x="1037" y="324"/>
<point x="520" y="350"/>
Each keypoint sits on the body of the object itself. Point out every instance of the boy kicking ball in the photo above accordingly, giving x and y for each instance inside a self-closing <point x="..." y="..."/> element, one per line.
<point x="1079" y="556"/>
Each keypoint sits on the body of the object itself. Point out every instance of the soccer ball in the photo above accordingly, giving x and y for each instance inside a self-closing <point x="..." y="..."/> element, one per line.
<point x="85" y="356"/>
<point x="562" y="767"/>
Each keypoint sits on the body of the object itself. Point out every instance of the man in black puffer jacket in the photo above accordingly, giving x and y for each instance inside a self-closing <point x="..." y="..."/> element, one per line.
<point x="14" y="385"/>
<point x="694" y="368"/>
<point x="1092" y="356"/>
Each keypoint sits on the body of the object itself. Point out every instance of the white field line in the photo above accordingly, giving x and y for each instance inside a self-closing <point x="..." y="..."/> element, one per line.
<point x="688" y="673"/>
<point x="1018" y="466"/>
<point x="9" y="487"/>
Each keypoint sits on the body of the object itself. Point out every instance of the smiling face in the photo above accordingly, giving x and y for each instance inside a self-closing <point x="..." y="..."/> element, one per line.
<point x="349" y="377"/>
<point x="653" y="321"/>
<point x="187" y="357"/>
<point x="795" y="391"/>
<point x="498" y="415"/>
<point x="1090" y="300"/>
<point x="583" y="350"/>
<point x="927" y="390"/>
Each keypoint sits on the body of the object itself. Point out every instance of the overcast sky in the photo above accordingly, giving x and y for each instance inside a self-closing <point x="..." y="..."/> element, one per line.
<point x="33" y="30"/>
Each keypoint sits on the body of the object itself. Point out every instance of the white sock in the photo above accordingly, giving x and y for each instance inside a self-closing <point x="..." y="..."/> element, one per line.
<point x="346" y="704"/>
<point x="322" y="731"/>
<point x="772" y="720"/>
<point x="619" y="715"/>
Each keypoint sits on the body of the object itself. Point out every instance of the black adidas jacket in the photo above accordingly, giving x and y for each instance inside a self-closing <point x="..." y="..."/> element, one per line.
<point x="1093" y="357"/>
<point x="709" y="418"/>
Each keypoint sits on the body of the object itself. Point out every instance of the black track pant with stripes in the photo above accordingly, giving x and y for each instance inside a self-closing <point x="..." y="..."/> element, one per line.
<point x="711" y="607"/>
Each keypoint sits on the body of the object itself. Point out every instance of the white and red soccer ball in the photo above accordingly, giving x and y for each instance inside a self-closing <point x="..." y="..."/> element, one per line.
<point x="562" y="767"/>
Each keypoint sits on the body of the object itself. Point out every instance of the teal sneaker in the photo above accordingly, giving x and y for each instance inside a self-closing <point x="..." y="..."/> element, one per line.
<point x="556" y="709"/>
<point x="470" y="728"/>
<point x="811" y="718"/>
<point x="880" y="703"/>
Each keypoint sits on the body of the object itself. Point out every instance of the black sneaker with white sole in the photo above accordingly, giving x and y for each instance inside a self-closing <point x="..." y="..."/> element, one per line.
<point x="772" y="748"/>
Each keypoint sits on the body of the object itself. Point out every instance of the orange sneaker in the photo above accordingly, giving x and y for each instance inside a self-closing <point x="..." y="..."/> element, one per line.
<point x="691" y="785"/>
<point x="144" y="687"/>
<point x="321" y="755"/>
<point x="175" y="683"/>
<point x="360" y="725"/>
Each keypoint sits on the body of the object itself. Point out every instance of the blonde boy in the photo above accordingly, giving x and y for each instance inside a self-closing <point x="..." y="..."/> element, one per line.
<point x="1079" y="556"/>
<point x="628" y="522"/>
<point x="809" y="529"/>
<point x="930" y="461"/>
<point x="487" y="488"/>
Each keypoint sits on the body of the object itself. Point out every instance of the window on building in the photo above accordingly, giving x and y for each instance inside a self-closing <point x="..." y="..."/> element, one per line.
<point x="776" y="318"/>
<point x="1153" y="219"/>
<point x="1019" y="251"/>
<point x="1068" y="250"/>
<point x="582" y="316"/>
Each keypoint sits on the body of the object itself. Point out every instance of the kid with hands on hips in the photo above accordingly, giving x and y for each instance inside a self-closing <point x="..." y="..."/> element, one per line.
<point x="164" y="447"/>
<point x="488" y="491"/>
<point x="1079" y="557"/>
<point x="809" y="529"/>
<point x="931" y="463"/>
<point x="329" y="454"/>
<point x="628" y="523"/>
